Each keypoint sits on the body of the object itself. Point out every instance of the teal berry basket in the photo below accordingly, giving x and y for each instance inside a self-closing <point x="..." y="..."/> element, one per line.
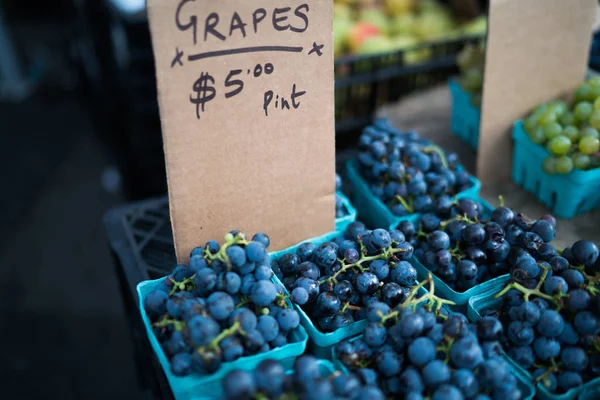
<point x="320" y="343"/>
<point x="326" y="368"/>
<point x="488" y="301"/>
<point x="342" y="223"/>
<point x="194" y="385"/>
<point x="373" y="211"/>
<point x="566" y="195"/>
<point x="443" y="290"/>
<point x="465" y="117"/>
<point x="527" y="388"/>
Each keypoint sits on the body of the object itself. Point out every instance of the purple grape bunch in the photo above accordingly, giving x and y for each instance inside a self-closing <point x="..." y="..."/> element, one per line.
<point x="336" y="282"/>
<point x="408" y="173"/>
<point x="426" y="353"/>
<point x="221" y="306"/>
<point x="269" y="381"/>
<point x="552" y="318"/>
<point x="464" y="247"/>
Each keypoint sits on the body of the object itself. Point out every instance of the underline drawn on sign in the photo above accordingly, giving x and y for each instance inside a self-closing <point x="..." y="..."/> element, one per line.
<point x="255" y="49"/>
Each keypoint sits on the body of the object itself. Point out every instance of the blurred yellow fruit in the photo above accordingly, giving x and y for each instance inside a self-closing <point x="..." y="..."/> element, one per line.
<point x="341" y="11"/>
<point x="476" y="27"/>
<point x="434" y="25"/>
<point x="413" y="56"/>
<point x="376" y="45"/>
<point x="400" y="7"/>
<point x="375" y="16"/>
<point x="341" y="27"/>
<point x="403" y="24"/>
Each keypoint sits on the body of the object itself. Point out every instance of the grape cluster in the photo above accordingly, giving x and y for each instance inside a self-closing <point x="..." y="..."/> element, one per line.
<point x="552" y="319"/>
<point x="407" y="172"/>
<point x="464" y="248"/>
<point x="423" y="353"/>
<point x="221" y="306"/>
<point x="336" y="282"/>
<point x="270" y="382"/>
<point x="471" y="62"/>
<point x="570" y="133"/>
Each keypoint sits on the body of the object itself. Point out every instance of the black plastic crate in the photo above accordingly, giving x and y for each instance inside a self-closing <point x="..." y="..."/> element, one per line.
<point x="141" y="241"/>
<point x="364" y="83"/>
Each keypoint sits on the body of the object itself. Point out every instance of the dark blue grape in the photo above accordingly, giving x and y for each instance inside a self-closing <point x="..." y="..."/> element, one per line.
<point x="529" y="312"/>
<point x="299" y="296"/>
<point x="181" y="364"/>
<point x="404" y="274"/>
<point x="411" y="381"/>
<point x="551" y="324"/>
<point x="429" y="223"/>
<point x="573" y="278"/>
<point x="389" y="363"/>
<point x="245" y="317"/>
<point x="236" y="255"/>
<point x="447" y="392"/>
<point x="367" y="283"/>
<point x="380" y="268"/>
<point x="268" y="327"/>
<point x="202" y="330"/>
<point x="197" y="262"/>
<point x="473" y="234"/>
<point x="231" y="349"/>
<point x="555" y="285"/>
<point x="586" y="323"/>
<point x="438" y="240"/>
<point x="377" y="309"/>
<point x="327" y="304"/>
<point x="311" y="287"/>
<point x="466" y="353"/>
<point x="568" y="380"/>
<point x="579" y="300"/>
<point x="421" y="351"/>
<point x="239" y="384"/>
<point x="435" y="373"/>
<point x="289" y="263"/>
<point x="230" y="282"/>
<point x="393" y="294"/>
<point x="466" y="382"/>
<point x="263" y="293"/>
<point x="584" y="252"/>
<point x="374" y="334"/>
<point x="503" y="216"/>
<point x="521" y="333"/>
<point x="305" y="251"/>
<point x="544" y="229"/>
<point x="345" y="385"/>
<point x="220" y="305"/>
<point x="206" y="281"/>
<point x="155" y="303"/>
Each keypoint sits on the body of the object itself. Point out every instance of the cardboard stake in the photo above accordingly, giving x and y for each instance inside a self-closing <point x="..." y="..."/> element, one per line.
<point x="246" y="102"/>
<point x="537" y="50"/>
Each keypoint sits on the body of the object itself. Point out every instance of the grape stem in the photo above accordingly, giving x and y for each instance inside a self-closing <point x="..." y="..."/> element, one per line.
<point x="544" y="377"/>
<point x="386" y="254"/>
<point x="439" y="151"/>
<point x="178" y="325"/>
<point x="347" y="305"/>
<point x="181" y="286"/>
<point x="405" y="204"/>
<point x="221" y="255"/>
<point x="214" y="345"/>
<point x="529" y="292"/>
<point x="429" y="297"/>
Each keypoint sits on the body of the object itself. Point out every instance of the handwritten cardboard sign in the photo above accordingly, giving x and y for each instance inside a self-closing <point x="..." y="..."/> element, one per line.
<point x="537" y="50"/>
<point x="246" y="102"/>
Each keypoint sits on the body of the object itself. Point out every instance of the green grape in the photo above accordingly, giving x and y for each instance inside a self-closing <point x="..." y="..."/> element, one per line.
<point x="546" y="117"/>
<point x="583" y="110"/>
<point x="594" y="82"/>
<point x="549" y="165"/>
<point x="552" y="129"/>
<point x="531" y="123"/>
<point x="589" y="145"/>
<point x="563" y="165"/>
<point x="594" y="93"/>
<point x="537" y="135"/>
<point x="583" y="93"/>
<point x="472" y="80"/>
<point x="540" y="109"/>
<point x="559" y="146"/>
<point x="597" y="104"/>
<point x="595" y="119"/>
<point x="589" y="131"/>
<point x="581" y="161"/>
<point x="558" y="107"/>
<point x="571" y="132"/>
<point x="567" y="119"/>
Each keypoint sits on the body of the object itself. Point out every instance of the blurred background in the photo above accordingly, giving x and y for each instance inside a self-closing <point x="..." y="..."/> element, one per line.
<point x="82" y="135"/>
